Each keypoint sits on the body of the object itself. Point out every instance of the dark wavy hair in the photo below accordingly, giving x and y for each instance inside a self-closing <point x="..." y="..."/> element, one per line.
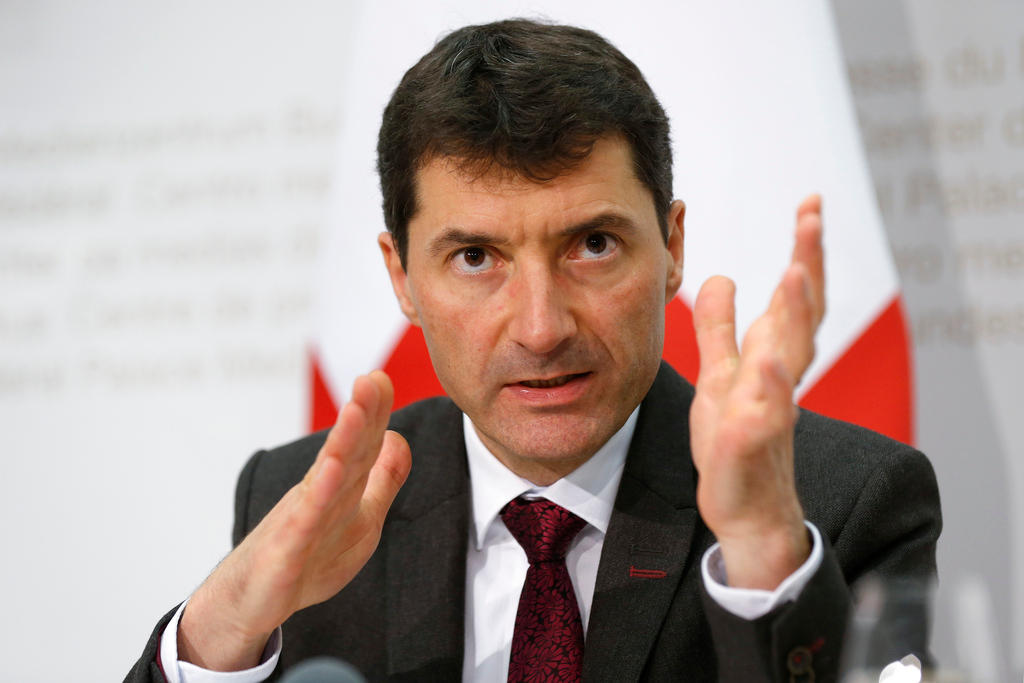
<point x="529" y="96"/>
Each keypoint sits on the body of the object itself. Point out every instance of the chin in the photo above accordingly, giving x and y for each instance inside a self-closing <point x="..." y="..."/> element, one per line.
<point x="559" y="440"/>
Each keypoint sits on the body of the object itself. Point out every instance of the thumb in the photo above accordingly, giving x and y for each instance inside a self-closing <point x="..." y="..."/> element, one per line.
<point x="714" y="321"/>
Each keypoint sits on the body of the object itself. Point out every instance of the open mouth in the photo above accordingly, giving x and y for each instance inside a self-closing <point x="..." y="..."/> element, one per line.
<point x="549" y="383"/>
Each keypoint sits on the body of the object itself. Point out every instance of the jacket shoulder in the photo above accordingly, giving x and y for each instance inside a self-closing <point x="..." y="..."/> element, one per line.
<point x="868" y="493"/>
<point x="833" y="456"/>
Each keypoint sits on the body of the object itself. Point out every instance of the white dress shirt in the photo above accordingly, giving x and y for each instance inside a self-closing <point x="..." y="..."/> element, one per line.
<point x="496" y="564"/>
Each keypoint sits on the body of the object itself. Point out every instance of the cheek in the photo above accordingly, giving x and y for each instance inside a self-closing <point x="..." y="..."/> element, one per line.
<point x="637" y="296"/>
<point x="456" y="332"/>
<point x="632" y="313"/>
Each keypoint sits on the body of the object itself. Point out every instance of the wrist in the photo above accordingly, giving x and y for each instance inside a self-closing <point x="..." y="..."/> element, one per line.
<point x="209" y="638"/>
<point x="764" y="558"/>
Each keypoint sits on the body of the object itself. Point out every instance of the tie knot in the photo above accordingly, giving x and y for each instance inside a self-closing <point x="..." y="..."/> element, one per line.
<point x="543" y="528"/>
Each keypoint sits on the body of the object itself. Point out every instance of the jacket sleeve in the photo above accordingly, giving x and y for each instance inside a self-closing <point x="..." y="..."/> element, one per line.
<point x="146" y="669"/>
<point x="886" y="540"/>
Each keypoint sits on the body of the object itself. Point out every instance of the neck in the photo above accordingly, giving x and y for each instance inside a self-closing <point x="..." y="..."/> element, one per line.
<point x="541" y="473"/>
<point x="540" y="470"/>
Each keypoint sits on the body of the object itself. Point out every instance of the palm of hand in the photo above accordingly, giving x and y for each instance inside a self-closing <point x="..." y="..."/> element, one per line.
<point x="310" y="545"/>
<point x="742" y="416"/>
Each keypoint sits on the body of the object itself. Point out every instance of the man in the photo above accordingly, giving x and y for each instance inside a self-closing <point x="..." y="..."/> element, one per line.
<point x="526" y="174"/>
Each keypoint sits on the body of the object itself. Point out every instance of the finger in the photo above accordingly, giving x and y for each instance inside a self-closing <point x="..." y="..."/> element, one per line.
<point x="387" y="476"/>
<point x="761" y="344"/>
<point x="327" y="478"/>
<point x="386" y="397"/>
<point x="808" y="250"/>
<point x="353" y="419"/>
<point x="367" y="392"/>
<point x="320" y="487"/>
<point x="714" y="321"/>
<point x="371" y="497"/>
<point x="799" y="321"/>
<point x="374" y="394"/>
<point x="349" y="442"/>
<point x="777" y="394"/>
<point x="303" y="510"/>
<point x="786" y="330"/>
<point x="337" y="461"/>
<point x="810" y="204"/>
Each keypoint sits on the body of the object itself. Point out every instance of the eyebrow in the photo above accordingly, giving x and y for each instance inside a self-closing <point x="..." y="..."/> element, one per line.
<point x="455" y="237"/>
<point x="601" y="221"/>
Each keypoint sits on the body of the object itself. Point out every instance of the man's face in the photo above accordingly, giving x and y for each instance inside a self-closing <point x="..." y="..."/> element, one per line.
<point x="542" y="304"/>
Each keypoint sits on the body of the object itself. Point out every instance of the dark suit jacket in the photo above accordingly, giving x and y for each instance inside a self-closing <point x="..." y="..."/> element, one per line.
<point x="401" y="619"/>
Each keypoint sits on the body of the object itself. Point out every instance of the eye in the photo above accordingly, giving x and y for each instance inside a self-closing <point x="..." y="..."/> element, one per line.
<point x="472" y="260"/>
<point x="596" y="245"/>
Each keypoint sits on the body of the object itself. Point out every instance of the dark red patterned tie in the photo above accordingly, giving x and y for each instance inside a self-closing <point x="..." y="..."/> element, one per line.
<point x="547" y="644"/>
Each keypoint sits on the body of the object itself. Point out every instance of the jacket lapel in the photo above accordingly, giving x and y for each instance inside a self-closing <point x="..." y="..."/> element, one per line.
<point x="649" y="536"/>
<point x="426" y="542"/>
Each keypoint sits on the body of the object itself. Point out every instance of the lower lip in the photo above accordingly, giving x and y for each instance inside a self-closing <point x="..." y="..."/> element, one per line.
<point x="551" y="396"/>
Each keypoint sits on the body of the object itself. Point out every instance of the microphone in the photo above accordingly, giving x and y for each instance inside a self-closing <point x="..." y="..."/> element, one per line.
<point x="323" y="670"/>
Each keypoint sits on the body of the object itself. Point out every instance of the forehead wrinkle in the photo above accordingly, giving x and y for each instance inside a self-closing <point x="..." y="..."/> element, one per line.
<point x="555" y="209"/>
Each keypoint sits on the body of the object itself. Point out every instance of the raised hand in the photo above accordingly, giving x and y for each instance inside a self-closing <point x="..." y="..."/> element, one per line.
<point x="743" y="415"/>
<point x="310" y="545"/>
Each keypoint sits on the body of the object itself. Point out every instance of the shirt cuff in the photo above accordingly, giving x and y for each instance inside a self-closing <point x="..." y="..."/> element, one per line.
<point x="752" y="603"/>
<point x="184" y="672"/>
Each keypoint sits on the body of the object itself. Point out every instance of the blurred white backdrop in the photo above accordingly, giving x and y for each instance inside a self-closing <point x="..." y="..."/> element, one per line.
<point x="165" y="190"/>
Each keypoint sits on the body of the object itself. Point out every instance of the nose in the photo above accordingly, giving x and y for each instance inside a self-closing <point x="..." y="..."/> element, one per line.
<point x="541" y="318"/>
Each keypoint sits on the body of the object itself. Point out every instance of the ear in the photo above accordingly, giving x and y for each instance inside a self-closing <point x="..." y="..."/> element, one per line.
<point x="674" y="249"/>
<point x="399" y="278"/>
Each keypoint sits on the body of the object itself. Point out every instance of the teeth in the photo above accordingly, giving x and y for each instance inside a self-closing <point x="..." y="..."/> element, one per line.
<point x="547" y="383"/>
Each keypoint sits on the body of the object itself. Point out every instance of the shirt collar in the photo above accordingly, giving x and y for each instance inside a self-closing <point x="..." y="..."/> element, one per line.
<point x="588" y="491"/>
